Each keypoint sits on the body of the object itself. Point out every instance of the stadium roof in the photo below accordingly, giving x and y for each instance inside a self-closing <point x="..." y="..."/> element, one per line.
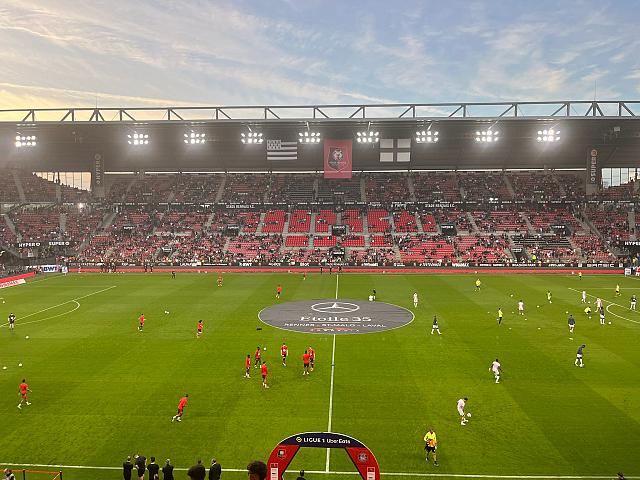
<point x="440" y="111"/>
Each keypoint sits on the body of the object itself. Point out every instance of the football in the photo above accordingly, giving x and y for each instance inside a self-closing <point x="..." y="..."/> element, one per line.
<point x="19" y="364"/>
<point x="469" y="414"/>
<point x="27" y="337"/>
<point x="609" y="323"/>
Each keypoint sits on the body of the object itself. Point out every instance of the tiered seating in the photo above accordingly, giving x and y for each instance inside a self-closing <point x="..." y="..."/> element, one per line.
<point x="404" y="222"/>
<point x="117" y="187"/>
<point x="324" y="241"/>
<point x="457" y="217"/>
<point x="291" y="189"/>
<point x="8" y="189"/>
<point x="372" y="255"/>
<point x="201" y="248"/>
<point x="543" y="220"/>
<point x="326" y="218"/>
<point x="436" y="187"/>
<point x="74" y="195"/>
<point x="482" y="248"/>
<point x="611" y="223"/>
<point x="258" y="248"/>
<point x="429" y="223"/>
<point x="481" y="186"/>
<point x="619" y="192"/>
<point x="386" y="188"/>
<point x="151" y="189"/>
<point x="499" y="221"/>
<point x="176" y="223"/>
<point x="592" y="247"/>
<point x="274" y="221"/>
<point x="534" y="185"/>
<point x="573" y="185"/>
<point x="353" y="219"/>
<point x="378" y="220"/>
<point x="197" y="188"/>
<point x="337" y="191"/>
<point x="79" y="226"/>
<point x="300" y="221"/>
<point x="249" y="221"/>
<point x="546" y="247"/>
<point x="6" y="235"/>
<point x="353" y="241"/>
<point x="297" y="241"/>
<point x="245" y="188"/>
<point x="423" y="248"/>
<point x="381" y="240"/>
<point x="37" y="224"/>
<point x="38" y="189"/>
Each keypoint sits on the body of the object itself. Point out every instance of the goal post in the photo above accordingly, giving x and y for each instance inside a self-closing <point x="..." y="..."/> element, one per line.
<point x="37" y="474"/>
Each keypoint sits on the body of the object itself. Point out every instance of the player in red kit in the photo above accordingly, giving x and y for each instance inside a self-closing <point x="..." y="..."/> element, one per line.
<point x="312" y="358"/>
<point x="247" y="366"/>
<point x="181" y="404"/>
<point x="305" y="363"/>
<point x="24" y="390"/>
<point x="284" y="351"/>
<point x="199" y="330"/>
<point x="220" y="280"/>
<point x="141" y="322"/>
<point x="278" y="291"/>
<point x="265" y="372"/>
<point x="257" y="356"/>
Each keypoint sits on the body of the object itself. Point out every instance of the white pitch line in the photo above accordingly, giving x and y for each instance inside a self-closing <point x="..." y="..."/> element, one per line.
<point x="612" y="303"/>
<point x="322" y="472"/>
<point x="68" y="301"/>
<point x="333" y="366"/>
<point x="47" y="318"/>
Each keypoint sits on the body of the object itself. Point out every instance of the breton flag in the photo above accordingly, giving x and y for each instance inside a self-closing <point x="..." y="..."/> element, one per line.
<point x="281" y="150"/>
<point x="395" y="149"/>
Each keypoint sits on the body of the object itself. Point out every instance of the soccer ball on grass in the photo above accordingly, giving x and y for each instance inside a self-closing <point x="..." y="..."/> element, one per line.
<point x="469" y="414"/>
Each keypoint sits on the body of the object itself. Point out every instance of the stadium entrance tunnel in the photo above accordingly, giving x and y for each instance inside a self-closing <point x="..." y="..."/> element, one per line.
<point x="360" y="455"/>
<point x="336" y="316"/>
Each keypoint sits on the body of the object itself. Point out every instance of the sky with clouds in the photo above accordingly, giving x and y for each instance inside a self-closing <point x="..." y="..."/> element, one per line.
<point x="197" y="52"/>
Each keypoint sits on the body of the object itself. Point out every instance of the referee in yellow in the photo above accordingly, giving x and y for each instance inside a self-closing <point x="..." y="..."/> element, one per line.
<point x="431" y="444"/>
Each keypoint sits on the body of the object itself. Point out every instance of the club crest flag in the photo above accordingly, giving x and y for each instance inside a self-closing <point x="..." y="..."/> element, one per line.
<point x="337" y="159"/>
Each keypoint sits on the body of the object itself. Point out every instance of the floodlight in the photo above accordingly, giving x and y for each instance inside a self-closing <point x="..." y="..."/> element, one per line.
<point x="251" y="137"/>
<point x="25" y="141"/>
<point x="487" y="136"/>
<point x="548" y="135"/>
<point x="368" y="137"/>
<point x="427" y="136"/>
<point x="194" y="138"/>
<point x="138" y="139"/>
<point x="309" y="137"/>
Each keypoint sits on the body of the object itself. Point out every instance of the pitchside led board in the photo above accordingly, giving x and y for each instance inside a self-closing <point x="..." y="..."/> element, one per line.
<point x="360" y="455"/>
<point x="337" y="159"/>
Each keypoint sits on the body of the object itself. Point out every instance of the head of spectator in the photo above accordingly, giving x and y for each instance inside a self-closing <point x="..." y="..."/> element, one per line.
<point x="257" y="470"/>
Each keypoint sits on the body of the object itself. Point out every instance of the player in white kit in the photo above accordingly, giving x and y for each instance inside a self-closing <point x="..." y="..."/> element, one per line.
<point x="415" y="299"/>
<point x="520" y="307"/>
<point x="495" y="368"/>
<point x="584" y="296"/>
<point x="634" y="300"/>
<point x="461" y="404"/>
<point x="602" y="316"/>
<point x="598" y="303"/>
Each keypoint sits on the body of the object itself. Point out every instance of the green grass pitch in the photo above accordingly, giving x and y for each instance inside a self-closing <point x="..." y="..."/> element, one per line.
<point x="101" y="390"/>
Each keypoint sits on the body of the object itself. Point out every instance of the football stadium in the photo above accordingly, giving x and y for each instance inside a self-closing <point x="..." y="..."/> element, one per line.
<point x="319" y="290"/>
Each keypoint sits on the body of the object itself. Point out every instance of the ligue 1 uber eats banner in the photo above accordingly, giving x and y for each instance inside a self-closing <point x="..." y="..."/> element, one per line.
<point x="337" y="159"/>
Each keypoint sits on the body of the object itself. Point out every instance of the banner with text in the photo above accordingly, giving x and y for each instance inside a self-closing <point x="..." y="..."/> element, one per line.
<point x="337" y="159"/>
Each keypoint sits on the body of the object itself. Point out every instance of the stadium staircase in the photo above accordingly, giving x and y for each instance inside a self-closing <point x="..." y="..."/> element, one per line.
<point x="207" y="224"/>
<point x="363" y="189"/>
<point x="260" y="223"/>
<point x="107" y="220"/>
<point x="18" y="182"/>
<point x="632" y="224"/>
<point x="419" y="223"/>
<point x="509" y="185"/>
<point x="472" y="222"/>
<point x="62" y="222"/>
<point x="11" y="225"/>
<point x="312" y="226"/>
<point x="220" y="191"/>
<point x="530" y="227"/>
<point x="412" y="190"/>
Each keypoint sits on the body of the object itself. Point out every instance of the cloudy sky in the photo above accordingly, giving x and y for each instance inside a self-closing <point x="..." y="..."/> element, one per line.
<point x="159" y="52"/>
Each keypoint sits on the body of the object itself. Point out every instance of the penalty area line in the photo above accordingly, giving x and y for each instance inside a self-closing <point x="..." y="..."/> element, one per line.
<point x="323" y="472"/>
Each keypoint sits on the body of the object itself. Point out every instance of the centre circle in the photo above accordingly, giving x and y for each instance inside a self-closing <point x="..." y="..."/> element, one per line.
<point x="336" y="316"/>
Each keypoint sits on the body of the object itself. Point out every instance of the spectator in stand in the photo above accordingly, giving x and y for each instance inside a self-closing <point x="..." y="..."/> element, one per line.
<point x="257" y="470"/>
<point x="197" y="472"/>
<point x="8" y="474"/>
<point x="301" y="476"/>
<point x="127" y="467"/>
<point x="215" y="470"/>
<point x="167" y="470"/>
